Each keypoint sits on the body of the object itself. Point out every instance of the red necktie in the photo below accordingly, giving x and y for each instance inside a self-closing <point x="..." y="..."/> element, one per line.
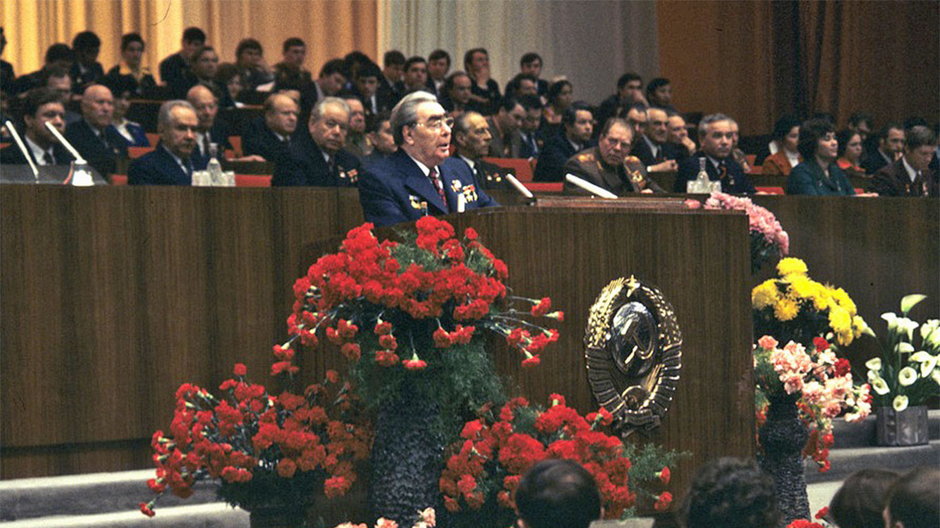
<point x="439" y="186"/>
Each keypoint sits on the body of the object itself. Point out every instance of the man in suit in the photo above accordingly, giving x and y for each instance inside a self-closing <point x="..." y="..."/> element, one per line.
<point x="331" y="80"/>
<point x="471" y="143"/>
<point x="382" y="140"/>
<point x="678" y="136"/>
<point x="652" y="147"/>
<point x="438" y="66"/>
<point x="910" y="175"/>
<point x="609" y="166"/>
<point x="890" y="147"/>
<point x="504" y="128"/>
<point x="171" y="163"/>
<point x="209" y="130"/>
<point x="578" y="126"/>
<point x="366" y="88"/>
<point x="319" y="160"/>
<point x="629" y="92"/>
<point x="93" y="136"/>
<point x="420" y="179"/>
<point x="86" y="70"/>
<point x="530" y="138"/>
<point x="716" y="137"/>
<point x="173" y="68"/>
<point x="457" y="91"/>
<point x="271" y="135"/>
<point x="531" y="64"/>
<point x="415" y="77"/>
<point x="356" y="142"/>
<point x="393" y="67"/>
<point x="41" y="106"/>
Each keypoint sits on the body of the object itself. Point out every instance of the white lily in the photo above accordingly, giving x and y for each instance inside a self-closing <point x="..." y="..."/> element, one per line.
<point x="933" y="338"/>
<point x="928" y="366"/>
<point x="879" y="385"/>
<point x="936" y="375"/>
<point x="899" y="403"/>
<point x="907" y="376"/>
<point x="873" y="364"/>
<point x="920" y="356"/>
<point x="892" y="320"/>
<point x="909" y="301"/>
<point x="904" y="348"/>
<point x="929" y="326"/>
<point x="907" y="326"/>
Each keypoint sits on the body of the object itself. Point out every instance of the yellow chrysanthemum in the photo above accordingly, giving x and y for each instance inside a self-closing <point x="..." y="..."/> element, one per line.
<point x="790" y="266"/>
<point x="859" y="325"/>
<point x="840" y="320"/>
<point x="764" y="295"/>
<point x="802" y="287"/>
<point x="786" y="309"/>
<point x="843" y="299"/>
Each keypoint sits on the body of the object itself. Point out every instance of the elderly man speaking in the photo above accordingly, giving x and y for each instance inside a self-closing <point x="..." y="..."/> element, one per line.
<point x="420" y="179"/>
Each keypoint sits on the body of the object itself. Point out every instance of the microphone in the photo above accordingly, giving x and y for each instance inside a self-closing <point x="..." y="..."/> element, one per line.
<point x="589" y="187"/>
<point x="22" y="146"/>
<point x="517" y="185"/>
<point x="79" y="176"/>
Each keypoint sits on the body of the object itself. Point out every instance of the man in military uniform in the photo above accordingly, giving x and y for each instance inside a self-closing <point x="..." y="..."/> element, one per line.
<point x="609" y="166"/>
<point x="471" y="142"/>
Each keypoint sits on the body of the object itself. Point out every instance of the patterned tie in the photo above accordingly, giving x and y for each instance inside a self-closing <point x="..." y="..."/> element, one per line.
<point x="439" y="186"/>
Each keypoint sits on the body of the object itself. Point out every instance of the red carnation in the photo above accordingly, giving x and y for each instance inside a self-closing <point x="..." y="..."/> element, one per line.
<point x="663" y="501"/>
<point x="820" y="344"/>
<point x="286" y="468"/>
<point x="388" y="342"/>
<point x="283" y="366"/>
<point x="145" y="508"/>
<point x="531" y="361"/>
<point x="441" y="338"/>
<point x="383" y="328"/>
<point x="240" y="369"/>
<point x="542" y="307"/>
<point x="332" y="376"/>
<point x="414" y="363"/>
<point x="386" y="358"/>
<point x="283" y="353"/>
<point x="842" y="367"/>
<point x="664" y="475"/>
<point x="822" y="513"/>
<point x="470" y="234"/>
<point x="351" y="351"/>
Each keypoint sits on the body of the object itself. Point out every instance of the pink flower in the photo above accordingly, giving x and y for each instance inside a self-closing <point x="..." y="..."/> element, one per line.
<point x="767" y="342"/>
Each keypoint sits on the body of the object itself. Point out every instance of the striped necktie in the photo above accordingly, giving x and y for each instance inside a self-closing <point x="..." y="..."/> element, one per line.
<point x="439" y="186"/>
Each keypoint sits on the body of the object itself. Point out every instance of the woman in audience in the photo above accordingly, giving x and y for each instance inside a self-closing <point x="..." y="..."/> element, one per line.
<point x="860" y="500"/>
<point x="731" y="492"/>
<point x="132" y="53"/>
<point x="230" y="77"/>
<point x="787" y="155"/>
<point x="560" y="95"/>
<point x="850" y="152"/>
<point x="781" y="127"/>
<point x="914" y="500"/>
<point x="818" y="174"/>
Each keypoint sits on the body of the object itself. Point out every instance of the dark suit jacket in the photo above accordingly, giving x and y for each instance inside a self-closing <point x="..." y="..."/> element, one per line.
<point x="498" y="144"/>
<point x="7" y="76"/>
<point x="893" y="180"/>
<point x="173" y="68"/>
<point x="809" y="178"/>
<point x="396" y="190"/>
<point x="488" y="176"/>
<point x="159" y="168"/>
<point x="11" y="155"/>
<point x="304" y="165"/>
<point x="217" y="134"/>
<point x="607" y="109"/>
<point x="735" y="182"/>
<point x="259" y="139"/>
<point x="873" y="161"/>
<point x="557" y="150"/>
<point x="100" y="156"/>
<point x="145" y="85"/>
<point x="641" y="150"/>
<point x="81" y="80"/>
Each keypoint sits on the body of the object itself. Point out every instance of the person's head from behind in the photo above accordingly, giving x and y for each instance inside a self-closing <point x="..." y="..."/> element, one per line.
<point x="557" y="494"/>
<point x="60" y="55"/>
<point x="913" y="500"/>
<point x="731" y="492"/>
<point x="859" y="502"/>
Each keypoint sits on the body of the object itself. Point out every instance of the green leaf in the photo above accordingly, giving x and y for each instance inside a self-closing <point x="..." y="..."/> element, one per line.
<point x="909" y="301"/>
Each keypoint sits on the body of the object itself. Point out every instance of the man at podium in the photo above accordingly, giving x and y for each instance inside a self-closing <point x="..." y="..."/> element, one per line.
<point x="41" y="105"/>
<point x="420" y="179"/>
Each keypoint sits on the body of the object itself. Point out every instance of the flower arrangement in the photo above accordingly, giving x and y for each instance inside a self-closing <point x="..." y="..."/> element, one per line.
<point x="820" y="380"/>
<point x="495" y="450"/>
<point x="768" y="239"/>
<point x="904" y="375"/>
<point x="427" y="518"/>
<point x="794" y="307"/>
<point x="265" y="448"/>
<point x="822" y="520"/>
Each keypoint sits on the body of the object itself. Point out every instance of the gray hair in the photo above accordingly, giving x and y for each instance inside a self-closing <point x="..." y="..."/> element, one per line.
<point x="165" y="117"/>
<point x="317" y="111"/>
<point x="709" y="119"/>
<point x="462" y="122"/>
<point x="405" y="113"/>
<point x="918" y="136"/>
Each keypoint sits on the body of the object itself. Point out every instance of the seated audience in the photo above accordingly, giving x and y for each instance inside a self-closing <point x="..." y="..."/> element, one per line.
<point x="863" y="124"/>
<point x="716" y="137"/>
<point x="438" y="66"/>
<point x="132" y="53"/>
<point x="41" y="106"/>
<point x="504" y="129"/>
<point x="7" y="74"/>
<point x="331" y="79"/>
<point x="818" y="174"/>
<point x="659" y="94"/>
<point x="290" y="73"/>
<point x="531" y="64"/>
<point x="913" y="500"/>
<point x="609" y="165"/>
<point x="171" y="163"/>
<point x="652" y="147"/>
<point x="421" y="178"/>
<point x="58" y="57"/>
<point x="522" y="84"/>
<point x="781" y="128"/>
<point x="356" y="142"/>
<point x="92" y="136"/>
<point x="890" y="144"/>
<point x="557" y="493"/>
<point x="578" y="127"/>
<point x="209" y="128"/>
<point x="272" y="134"/>
<point x="484" y="92"/>
<point x="86" y="70"/>
<point x="738" y="154"/>
<point x="122" y="87"/>
<point x="850" y="152"/>
<point x="249" y="57"/>
<point x="636" y="117"/>
<point x="859" y="503"/>
<point x="393" y="67"/>
<point x="352" y="63"/>
<point x="679" y="137"/>
<point x="415" y="77"/>
<point x="380" y="136"/>
<point x="174" y="68"/>
<point x="366" y="85"/>
<point x="910" y="175"/>
<point x="319" y="159"/>
<point x="560" y="95"/>
<point x="787" y="155"/>
<point x="229" y="77"/>
<point x="457" y="90"/>
<point x="629" y="92"/>
<point x="57" y="79"/>
<point x="531" y="139"/>
<point x="731" y="492"/>
<point x="471" y="142"/>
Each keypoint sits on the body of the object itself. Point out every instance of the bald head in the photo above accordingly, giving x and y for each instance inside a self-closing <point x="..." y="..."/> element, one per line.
<point x="206" y="105"/>
<point x="98" y="106"/>
<point x="280" y="114"/>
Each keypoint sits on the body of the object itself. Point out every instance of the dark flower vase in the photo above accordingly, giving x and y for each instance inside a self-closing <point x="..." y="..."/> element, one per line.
<point x="783" y="437"/>
<point x="407" y="459"/>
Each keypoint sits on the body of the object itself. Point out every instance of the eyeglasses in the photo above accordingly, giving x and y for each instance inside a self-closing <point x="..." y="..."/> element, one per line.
<point x="436" y="123"/>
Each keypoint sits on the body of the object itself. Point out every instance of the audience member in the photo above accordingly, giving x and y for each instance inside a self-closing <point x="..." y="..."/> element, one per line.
<point x="504" y="126"/>
<point x="41" y="106"/>
<point x="522" y="84"/>
<point x="356" y="142"/>
<point x="484" y="92"/>
<point x="122" y="87"/>
<point x="609" y="165"/>
<point x="331" y="80"/>
<point x="228" y="77"/>
<point x="174" y="68"/>
<point x="679" y="136"/>
<point x="319" y="159"/>
<point x="910" y="175"/>
<point x="738" y="154"/>
<point x="294" y="55"/>
<point x="271" y="136"/>
<point x="729" y="492"/>
<point x="850" y="152"/>
<point x="366" y="88"/>
<point x="636" y="117"/>
<point x="787" y="156"/>
<point x="629" y="92"/>
<point x="890" y="145"/>
<point x="393" y="67"/>
<point x="781" y="128"/>
<point x="471" y="142"/>
<point x="578" y="127"/>
<point x="860" y="501"/>
<point x="58" y="57"/>
<point x="818" y="174"/>
<point x="716" y="138"/>
<point x="531" y="64"/>
<point x="531" y="141"/>
<point x="56" y="78"/>
<point x="457" y="93"/>
<point x="861" y="122"/>
<point x="7" y="74"/>
<point x="438" y="66"/>
<point x="415" y="77"/>
<point x="86" y="69"/>
<point x="659" y="94"/>
<point x="352" y="63"/>
<point x="421" y="178"/>
<point x="132" y="53"/>
<point x="913" y="500"/>
<point x="209" y="129"/>
<point x="249" y="57"/>
<point x="557" y="493"/>
<point x="171" y="163"/>
<point x="380" y="136"/>
<point x="560" y="97"/>
<point x="92" y="136"/>
<point x="204" y="68"/>
<point x="651" y="147"/>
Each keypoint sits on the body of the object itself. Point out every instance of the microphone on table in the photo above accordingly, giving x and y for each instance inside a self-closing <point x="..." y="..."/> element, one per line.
<point x="589" y="187"/>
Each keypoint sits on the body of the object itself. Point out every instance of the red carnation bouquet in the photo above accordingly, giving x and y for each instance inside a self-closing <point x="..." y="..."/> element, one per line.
<point x="264" y="448"/>
<point x="487" y="463"/>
